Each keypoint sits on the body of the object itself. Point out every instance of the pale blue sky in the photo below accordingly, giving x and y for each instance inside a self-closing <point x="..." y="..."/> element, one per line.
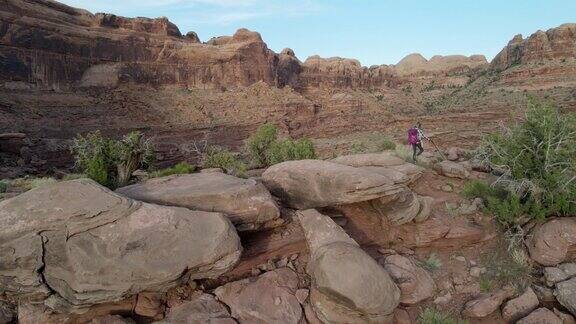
<point x="374" y="32"/>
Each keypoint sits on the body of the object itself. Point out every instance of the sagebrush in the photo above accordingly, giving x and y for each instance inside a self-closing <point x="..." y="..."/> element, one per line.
<point x="536" y="161"/>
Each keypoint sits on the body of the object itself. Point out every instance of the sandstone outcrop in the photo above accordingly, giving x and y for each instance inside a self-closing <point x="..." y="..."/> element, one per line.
<point x="553" y="242"/>
<point x="555" y="43"/>
<point x="520" y="306"/>
<point x="417" y="64"/>
<point x="414" y="282"/>
<point x="246" y="202"/>
<point x="540" y="316"/>
<point x="270" y="298"/>
<point x="348" y="286"/>
<point x="80" y="244"/>
<point x="201" y="308"/>
<point x="315" y="183"/>
<point x="486" y="304"/>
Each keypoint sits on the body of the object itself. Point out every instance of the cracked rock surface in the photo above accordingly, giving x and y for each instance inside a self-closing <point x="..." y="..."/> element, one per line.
<point x="79" y="244"/>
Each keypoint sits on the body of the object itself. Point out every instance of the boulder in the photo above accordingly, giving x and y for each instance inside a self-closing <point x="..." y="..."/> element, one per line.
<point x="553" y="242"/>
<point x="562" y="272"/>
<point x="385" y="159"/>
<point x="520" y="306"/>
<point x="452" y="169"/>
<point x="404" y="207"/>
<point x="566" y="318"/>
<point x="314" y="183"/>
<point x="413" y="171"/>
<point x="453" y="153"/>
<point x="565" y="293"/>
<point x="270" y="298"/>
<point x="83" y="245"/>
<point x="541" y="316"/>
<point x="415" y="283"/>
<point x="201" y="308"/>
<point x="348" y="286"/>
<point x="486" y="304"/>
<point x="245" y="201"/>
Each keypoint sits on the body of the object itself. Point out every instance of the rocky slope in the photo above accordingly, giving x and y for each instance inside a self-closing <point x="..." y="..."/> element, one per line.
<point x="65" y="71"/>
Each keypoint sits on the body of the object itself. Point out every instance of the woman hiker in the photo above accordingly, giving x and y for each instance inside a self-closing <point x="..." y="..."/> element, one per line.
<point x="415" y="136"/>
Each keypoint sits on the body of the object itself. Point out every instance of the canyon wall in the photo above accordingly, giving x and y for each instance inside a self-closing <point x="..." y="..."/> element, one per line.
<point x="65" y="71"/>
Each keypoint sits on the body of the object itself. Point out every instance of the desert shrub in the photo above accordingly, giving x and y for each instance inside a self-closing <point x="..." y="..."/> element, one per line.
<point x="289" y="150"/>
<point x="219" y="157"/>
<point x="3" y="186"/>
<point x="111" y="162"/>
<point x="180" y="168"/>
<point x="266" y="149"/>
<point x="431" y="315"/>
<point x="259" y="143"/>
<point x="386" y="144"/>
<point x="507" y="264"/>
<point x="537" y="162"/>
<point x="432" y="263"/>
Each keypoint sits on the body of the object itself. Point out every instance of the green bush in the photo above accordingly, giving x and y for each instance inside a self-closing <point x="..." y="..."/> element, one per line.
<point x="289" y="150"/>
<point x="266" y="149"/>
<point x="218" y="157"/>
<point x="386" y="144"/>
<point x="432" y="315"/>
<point x="432" y="263"/>
<point x="260" y="142"/>
<point x="537" y="160"/>
<point x="3" y="186"/>
<point x="180" y="168"/>
<point x="111" y="162"/>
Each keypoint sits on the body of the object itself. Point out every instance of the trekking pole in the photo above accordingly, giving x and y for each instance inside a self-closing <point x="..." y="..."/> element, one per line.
<point x="437" y="148"/>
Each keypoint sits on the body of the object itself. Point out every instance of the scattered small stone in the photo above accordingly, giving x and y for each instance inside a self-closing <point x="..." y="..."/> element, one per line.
<point x="277" y="301"/>
<point x="460" y="258"/>
<point x="447" y="188"/>
<point x="291" y="266"/>
<point x="255" y="272"/>
<point x="444" y="299"/>
<point x="282" y="262"/>
<point x="294" y="256"/>
<point x="545" y="294"/>
<point x="472" y="263"/>
<point x="476" y="272"/>
<point x="486" y="304"/>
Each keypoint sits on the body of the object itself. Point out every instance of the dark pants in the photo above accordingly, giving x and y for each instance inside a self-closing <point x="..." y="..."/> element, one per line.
<point x="417" y="147"/>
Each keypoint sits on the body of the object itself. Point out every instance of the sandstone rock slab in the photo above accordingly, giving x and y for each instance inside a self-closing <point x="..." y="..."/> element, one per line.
<point x="83" y="244"/>
<point x="541" y="316"/>
<point x="565" y="293"/>
<point x="348" y="286"/>
<point x="270" y="298"/>
<point x="415" y="283"/>
<point x="201" y="308"/>
<point x="486" y="304"/>
<point x="452" y="169"/>
<point x="553" y="242"/>
<point x="314" y="184"/>
<point x="520" y="306"/>
<point x="245" y="201"/>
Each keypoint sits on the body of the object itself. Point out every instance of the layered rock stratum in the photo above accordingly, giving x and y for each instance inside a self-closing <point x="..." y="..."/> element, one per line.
<point x="65" y="71"/>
